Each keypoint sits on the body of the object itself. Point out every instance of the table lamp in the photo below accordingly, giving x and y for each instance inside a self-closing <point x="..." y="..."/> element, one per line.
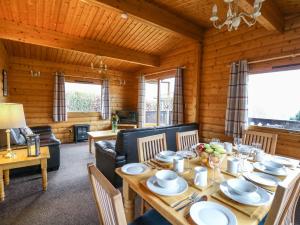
<point x="11" y="116"/>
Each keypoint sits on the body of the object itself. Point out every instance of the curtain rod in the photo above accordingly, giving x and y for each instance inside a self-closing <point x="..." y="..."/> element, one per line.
<point x="274" y="58"/>
<point x="164" y="71"/>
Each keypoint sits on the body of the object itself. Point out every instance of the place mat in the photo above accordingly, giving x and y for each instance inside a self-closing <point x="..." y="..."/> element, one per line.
<point x="230" y="174"/>
<point x="257" y="212"/>
<point x="172" y="200"/>
<point x="162" y="164"/>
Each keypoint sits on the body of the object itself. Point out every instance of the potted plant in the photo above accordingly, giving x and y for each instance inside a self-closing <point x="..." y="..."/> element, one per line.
<point x="114" y="122"/>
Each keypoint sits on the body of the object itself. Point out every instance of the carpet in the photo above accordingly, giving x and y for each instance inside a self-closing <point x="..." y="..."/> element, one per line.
<point x="68" y="200"/>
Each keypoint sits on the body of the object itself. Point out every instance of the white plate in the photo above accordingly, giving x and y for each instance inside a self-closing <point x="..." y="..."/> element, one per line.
<point x="284" y="161"/>
<point x="206" y="213"/>
<point x="172" y="191"/>
<point x="281" y="172"/>
<point x="262" y="178"/>
<point x="134" y="168"/>
<point x="163" y="158"/>
<point x="260" y="197"/>
<point x="186" y="154"/>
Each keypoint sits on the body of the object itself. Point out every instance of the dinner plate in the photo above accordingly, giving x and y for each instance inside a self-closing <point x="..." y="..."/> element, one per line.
<point x="260" y="197"/>
<point x="262" y="178"/>
<point x="165" y="158"/>
<point x="170" y="191"/>
<point x="281" y="172"/>
<point x="205" y="213"/>
<point x="187" y="154"/>
<point x="284" y="161"/>
<point x="134" y="168"/>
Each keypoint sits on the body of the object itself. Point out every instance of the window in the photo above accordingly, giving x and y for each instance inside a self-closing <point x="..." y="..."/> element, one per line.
<point x="274" y="99"/>
<point x="83" y="97"/>
<point x="159" y="102"/>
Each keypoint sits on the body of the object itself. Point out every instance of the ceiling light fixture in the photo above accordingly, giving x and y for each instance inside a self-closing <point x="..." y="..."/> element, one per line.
<point x="234" y="17"/>
<point x="124" y="15"/>
<point x="102" y="67"/>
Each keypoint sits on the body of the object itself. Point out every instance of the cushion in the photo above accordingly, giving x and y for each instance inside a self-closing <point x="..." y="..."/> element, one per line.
<point x="151" y="217"/>
<point x="16" y="138"/>
<point x="25" y="131"/>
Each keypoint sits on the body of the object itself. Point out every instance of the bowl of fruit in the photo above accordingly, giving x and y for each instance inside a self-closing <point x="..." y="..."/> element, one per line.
<point x="206" y="150"/>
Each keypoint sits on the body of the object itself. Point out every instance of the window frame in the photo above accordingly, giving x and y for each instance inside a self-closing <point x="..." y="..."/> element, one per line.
<point x="157" y="79"/>
<point x="258" y="71"/>
<point x="88" y="113"/>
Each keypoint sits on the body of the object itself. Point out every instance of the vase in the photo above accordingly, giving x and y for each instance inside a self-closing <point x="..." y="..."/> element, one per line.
<point x="114" y="126"/>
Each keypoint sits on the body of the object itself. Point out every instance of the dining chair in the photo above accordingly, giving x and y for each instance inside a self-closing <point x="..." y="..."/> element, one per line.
<point x="150" y="146"/>
<point x="185" y="140"/>
<point x="110" y="205"/>
<point x="267" y="140"/>
<point x="283" y="208"/>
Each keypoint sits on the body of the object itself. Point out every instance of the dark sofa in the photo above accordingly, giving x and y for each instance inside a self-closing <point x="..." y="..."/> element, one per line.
<point x="113" y="154"/>
<point x="47" y="138"/>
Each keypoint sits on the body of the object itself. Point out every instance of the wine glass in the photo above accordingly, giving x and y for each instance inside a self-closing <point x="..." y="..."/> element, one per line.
<point x="214" y="141"/>
<point x="215" y="162"/>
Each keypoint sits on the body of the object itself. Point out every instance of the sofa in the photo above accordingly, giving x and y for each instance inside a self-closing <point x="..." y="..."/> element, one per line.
<point x="113" y="154"/>
<point x="47" y="138"/>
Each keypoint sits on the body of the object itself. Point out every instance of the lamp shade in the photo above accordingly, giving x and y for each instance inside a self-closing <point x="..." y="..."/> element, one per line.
<point x="11" y="116"/>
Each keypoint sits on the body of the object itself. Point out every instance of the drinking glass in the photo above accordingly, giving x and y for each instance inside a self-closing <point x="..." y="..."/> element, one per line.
<point x="255" y="146"/>
<point x="215" y="163"/>
<point x="214" y="141"/>
<point x="244" y="153"/>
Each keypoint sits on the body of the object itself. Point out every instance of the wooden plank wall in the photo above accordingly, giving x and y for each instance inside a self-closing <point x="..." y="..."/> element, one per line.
<point x="222" y="48"/>
<point x="3" y="65"/>
<point x="37" y="94"/>
<point x="189" y="56"/>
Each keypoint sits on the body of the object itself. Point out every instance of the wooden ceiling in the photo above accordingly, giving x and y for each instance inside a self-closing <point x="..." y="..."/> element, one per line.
<point x="78" y="30"/>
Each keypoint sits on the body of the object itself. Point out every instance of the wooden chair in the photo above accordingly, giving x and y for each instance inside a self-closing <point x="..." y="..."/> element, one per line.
<point x="110" y="205"/>
<point x="283" y="208"/>
<point x="185" y="140"/>
<point x="267" y="140"/>
<point x="149" y="146"/>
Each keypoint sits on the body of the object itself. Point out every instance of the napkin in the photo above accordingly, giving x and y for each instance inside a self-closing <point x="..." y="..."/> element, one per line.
<point x="257" y="212"/>
<point x="172" y="200"/>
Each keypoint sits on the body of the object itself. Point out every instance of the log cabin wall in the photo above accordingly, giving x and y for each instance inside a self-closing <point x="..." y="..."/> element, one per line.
<point x="188" y="55"/>
<point x="36" y="94"/>
<point x="222" y="48"/>
<point x="3" y="65"/>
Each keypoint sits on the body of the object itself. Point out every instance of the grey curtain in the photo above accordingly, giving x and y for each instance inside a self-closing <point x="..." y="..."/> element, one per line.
<point x="105" y="104"/>
<point x="178" y="98"/>
<point x="237" y="100"/>
<point x="59" y="104"/>
<point x="141" y="101"/>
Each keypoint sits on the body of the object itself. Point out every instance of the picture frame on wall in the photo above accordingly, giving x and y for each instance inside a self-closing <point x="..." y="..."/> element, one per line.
<point x="5" y="83"/>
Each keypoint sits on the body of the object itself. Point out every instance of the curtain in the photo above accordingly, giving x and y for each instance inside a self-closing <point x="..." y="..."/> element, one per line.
<point x="59" y="104"/>
<point x="105" y="105"/>
<point x="178" y="98"/>
<point x="141" y="101"/>
<point x="237" y="100"/>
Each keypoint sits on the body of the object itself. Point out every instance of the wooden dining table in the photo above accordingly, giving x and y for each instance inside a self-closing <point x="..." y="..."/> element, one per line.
<point x="135" y="185"/>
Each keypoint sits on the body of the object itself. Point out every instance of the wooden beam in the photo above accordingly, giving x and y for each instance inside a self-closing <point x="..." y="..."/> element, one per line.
<point x="155" y="15"/>
<point x="40" y="36"/>
<point x="271" y="17"/>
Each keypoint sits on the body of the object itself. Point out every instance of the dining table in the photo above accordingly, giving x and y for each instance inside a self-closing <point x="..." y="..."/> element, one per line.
<point x="134" y="185"/>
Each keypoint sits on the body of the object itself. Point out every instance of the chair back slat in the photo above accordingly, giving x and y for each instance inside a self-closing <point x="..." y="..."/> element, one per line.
<point x="267" y="140"/>
<point x="283" y="208"/>
<point x="185" y="140"/>
<point x="108" y="199"/>
<point x="150" y="146"/>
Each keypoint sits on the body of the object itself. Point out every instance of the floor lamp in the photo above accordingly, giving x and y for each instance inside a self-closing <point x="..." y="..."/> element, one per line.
<point x="11" y="116"/>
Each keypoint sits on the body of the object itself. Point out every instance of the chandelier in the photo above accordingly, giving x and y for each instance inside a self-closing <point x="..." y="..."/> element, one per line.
<point x="102" y="67"/>
<point x="234" y="17"/>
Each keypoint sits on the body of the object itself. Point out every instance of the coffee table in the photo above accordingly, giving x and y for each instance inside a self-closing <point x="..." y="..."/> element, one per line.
<point x="22" y="160"/>
<point x="100" y="135"/>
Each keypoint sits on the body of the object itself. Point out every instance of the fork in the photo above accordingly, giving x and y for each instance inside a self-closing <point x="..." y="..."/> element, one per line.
<point x="149" y="165"/>
<point x="198" y="198"/>
<point x="190" y="198"/>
